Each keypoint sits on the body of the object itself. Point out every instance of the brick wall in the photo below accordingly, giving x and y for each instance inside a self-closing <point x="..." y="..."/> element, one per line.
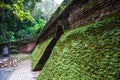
<point x="28" y="48"/>
<point x="78" y="16"/>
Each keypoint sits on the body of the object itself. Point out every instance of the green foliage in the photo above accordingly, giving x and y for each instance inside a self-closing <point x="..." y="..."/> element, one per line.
<point x="19" y="29"/>
<point x="21" y="34"/>
<point x="10" y="35"/>
<point x="5" y="6"/>
<point x="18" y="8"/>
<point x="20" y="12"/>
<point x="3" y="30"/>
<point x="5" y="35"/>
<point x="39" y="25"/>
<point x="90" y="52"/>
<point x="38" y="52"/>
<point x="16" y="21"/>
<point x="31" y="31"/>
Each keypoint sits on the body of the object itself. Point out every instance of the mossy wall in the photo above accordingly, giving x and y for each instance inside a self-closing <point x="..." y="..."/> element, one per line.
<point x="90" y="4"/>
<point x="90" y="52"/>
<point x="38" y="52"/>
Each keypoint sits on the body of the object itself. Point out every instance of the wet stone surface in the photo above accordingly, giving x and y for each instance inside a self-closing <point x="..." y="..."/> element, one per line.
<point x="21" y="70"/>
<point x="6" y="67"/>
<point x="5" y="73"/>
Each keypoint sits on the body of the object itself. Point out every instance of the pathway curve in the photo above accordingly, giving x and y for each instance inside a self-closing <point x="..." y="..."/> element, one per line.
<point x="23" y="71"/>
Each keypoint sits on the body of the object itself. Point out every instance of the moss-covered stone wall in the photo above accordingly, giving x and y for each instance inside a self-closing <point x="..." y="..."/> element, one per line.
<point x="38" y="52"/>
<point x="90" y="52"/>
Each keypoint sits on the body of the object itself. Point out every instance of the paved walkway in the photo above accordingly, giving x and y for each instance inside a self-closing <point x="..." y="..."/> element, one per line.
<point x="23" y="71"/>
<point x="5" y="73"/>
<point x="5" y="69"/>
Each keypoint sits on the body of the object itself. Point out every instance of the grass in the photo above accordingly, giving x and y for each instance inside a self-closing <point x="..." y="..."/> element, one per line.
<point x="90" y="52"/>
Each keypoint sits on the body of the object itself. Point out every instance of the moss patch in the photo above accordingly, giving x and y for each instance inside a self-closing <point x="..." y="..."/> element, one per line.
<point x="90" y="52"/>
<point x="38" y="52"/>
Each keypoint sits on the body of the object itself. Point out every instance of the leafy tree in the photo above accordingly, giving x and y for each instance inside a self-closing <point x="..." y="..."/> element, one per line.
<point x="15" y="17"/>
<point x="24" y="18"/>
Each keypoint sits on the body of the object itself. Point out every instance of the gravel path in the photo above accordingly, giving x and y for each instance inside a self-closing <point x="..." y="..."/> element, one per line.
<point x="23" y="71"/>
<point x="5" y="73"/>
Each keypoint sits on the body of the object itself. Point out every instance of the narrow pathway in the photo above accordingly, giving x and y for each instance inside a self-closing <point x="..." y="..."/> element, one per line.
<point x="23" y="71"/>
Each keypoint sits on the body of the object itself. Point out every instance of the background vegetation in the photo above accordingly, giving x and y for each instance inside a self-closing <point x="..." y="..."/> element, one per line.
<point x="21" y="19"/>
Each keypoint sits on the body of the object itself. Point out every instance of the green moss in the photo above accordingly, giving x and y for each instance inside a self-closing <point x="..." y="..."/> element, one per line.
<point x="90" y="52"/>
<point x="38" y="52"/>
